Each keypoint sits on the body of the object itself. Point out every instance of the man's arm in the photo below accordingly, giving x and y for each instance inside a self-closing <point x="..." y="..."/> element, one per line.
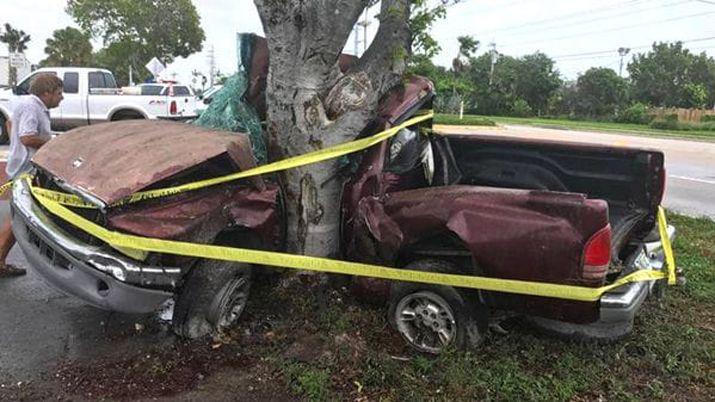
<point x="33" y="140"/>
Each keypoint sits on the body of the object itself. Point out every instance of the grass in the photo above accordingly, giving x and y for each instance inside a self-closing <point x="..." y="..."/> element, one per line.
<point x="467" y="120"/>
<point x="289" y="345"/>
<point x="636" y="129"/>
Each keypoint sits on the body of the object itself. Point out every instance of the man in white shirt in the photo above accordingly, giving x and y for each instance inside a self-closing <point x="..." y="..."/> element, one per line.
<point x="30" y="129"/>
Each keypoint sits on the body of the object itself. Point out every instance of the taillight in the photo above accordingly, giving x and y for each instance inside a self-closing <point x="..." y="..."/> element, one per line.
<point x="597" y="255"/>
<point x="172" y="107"/>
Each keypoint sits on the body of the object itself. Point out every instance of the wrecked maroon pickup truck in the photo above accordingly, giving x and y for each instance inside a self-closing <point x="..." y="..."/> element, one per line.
<point x="539" y="211"/>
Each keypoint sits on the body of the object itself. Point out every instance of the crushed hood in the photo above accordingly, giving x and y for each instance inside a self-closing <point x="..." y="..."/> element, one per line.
<point x="114" y="160"/>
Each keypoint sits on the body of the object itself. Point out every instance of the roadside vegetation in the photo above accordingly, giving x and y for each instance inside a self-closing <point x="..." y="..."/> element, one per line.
<point x="346" y="351"/>
<point x="661" y="83"/>
<point x="703" y="131"/>
<point x="466" y="120"/>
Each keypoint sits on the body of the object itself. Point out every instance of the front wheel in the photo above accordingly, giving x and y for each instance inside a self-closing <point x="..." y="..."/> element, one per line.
<point x="433" y="318"/>
<point x="212" y="299"/>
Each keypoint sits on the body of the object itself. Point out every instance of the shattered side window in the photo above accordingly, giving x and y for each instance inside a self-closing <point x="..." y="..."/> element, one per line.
<point x="406" y="150"/>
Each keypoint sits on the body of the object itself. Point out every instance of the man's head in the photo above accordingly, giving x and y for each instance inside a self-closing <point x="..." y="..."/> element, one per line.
<point x="47" y="87"/>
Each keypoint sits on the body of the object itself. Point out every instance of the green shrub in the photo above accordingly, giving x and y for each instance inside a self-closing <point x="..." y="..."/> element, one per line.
<point x="521" y="108"/>
<point x="663" y="124"/>
<point x="707" y="118"/>
<point x="636" y="113"/>
<point x="671" y="117"/>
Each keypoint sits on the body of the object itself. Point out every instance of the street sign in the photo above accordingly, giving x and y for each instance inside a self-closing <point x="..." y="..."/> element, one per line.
<point x="155" y="66"/>
<point x="17" y="60"/>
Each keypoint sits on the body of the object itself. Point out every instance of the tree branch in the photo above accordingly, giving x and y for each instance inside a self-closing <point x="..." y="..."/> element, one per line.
<point x="385" y="59"/>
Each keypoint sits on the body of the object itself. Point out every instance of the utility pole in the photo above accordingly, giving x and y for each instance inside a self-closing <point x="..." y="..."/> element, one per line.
<point x="622" y="51"/>
<point x="364" y="24"/>
<point x="212" y="66"/>
<point x="494" y="54"/>
<point x="356" y="31"/>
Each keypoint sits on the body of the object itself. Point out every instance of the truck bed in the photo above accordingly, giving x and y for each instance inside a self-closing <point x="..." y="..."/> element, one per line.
<point x="629" y="179"/>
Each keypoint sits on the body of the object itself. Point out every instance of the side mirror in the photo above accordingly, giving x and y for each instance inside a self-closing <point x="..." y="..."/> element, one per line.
<point x="207" y="101"/>
<point x="14" y="89"/>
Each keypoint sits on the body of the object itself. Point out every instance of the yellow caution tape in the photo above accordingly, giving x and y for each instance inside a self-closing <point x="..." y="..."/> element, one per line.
<point x="667" y="247"/>
<point x="5" y="187"/>
<point x="288" y="163"/>
<point x="308" y="263"/>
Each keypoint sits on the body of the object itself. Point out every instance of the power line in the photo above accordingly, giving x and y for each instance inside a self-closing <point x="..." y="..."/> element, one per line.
<point x="588" y="21"/>
<point x="622" y="28"/>
<point x="561" y="17"/>
<point x="562" y="56"/>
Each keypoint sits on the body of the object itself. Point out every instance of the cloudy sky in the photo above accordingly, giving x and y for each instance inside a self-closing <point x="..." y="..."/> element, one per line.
<point x="578" y="34"/>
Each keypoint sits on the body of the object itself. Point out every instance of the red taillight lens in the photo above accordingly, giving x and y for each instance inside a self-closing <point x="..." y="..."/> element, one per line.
<point x="172" y="107"/>
<point x="597" y="255"/>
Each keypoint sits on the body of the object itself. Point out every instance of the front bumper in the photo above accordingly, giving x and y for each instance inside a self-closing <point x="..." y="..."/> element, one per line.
<point x="87" y="272"/>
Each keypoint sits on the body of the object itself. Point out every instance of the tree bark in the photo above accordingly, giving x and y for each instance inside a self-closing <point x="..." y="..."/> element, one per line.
<point x="312" y="105"/>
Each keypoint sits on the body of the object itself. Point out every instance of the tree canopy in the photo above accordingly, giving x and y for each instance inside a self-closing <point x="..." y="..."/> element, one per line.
<point x="601" y="92"/>
<point x="670" y="75"/>
<point x="68" y="47"/>
<point x="135" y="31"/>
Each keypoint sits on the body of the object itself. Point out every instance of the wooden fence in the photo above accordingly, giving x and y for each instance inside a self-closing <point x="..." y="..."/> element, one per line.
<point x="685" y="115"/>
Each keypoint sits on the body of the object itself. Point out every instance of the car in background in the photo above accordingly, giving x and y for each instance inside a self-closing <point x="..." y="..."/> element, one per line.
<point x="206" y="97"/>
<point x="91" y="96"/>
<point x="161" y="88"/>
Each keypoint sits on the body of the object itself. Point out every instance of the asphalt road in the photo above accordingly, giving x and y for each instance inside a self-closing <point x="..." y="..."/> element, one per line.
<point x="41" y="327"/>
<point x="690" y="165"/>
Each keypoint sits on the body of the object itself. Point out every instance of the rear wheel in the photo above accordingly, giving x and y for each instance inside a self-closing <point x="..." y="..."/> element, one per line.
<point x="434" y="318"/>
<point x="212" y="299"/>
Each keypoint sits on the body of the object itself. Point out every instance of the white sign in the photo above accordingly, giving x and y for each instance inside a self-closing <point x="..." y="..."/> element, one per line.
<point x="155" y="66"/>
<point x="17" y="60"/>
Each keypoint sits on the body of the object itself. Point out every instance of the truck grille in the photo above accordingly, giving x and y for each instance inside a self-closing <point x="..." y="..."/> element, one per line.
<point x="57" y="259"/>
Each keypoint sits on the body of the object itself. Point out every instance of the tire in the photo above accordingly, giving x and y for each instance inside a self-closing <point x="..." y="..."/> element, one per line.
<point x="119" y="116"/>
<point x="4" y="135"/>
<point x="212" y="299"/>
<point x="440" y="317"/>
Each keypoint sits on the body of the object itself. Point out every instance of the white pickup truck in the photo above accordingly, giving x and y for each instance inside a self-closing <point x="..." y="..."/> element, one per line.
<point x="91" y="96"/>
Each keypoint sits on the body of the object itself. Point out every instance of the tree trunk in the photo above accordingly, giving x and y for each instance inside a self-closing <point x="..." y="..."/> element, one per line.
<point x="312" y="105"/>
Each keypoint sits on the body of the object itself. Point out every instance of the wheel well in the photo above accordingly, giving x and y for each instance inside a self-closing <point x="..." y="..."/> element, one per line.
<point x="447" y="247"/>
<point x="127" y="114"/>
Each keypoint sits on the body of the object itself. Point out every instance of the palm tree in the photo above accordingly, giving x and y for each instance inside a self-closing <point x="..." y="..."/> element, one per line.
<point x="16" y="41"/>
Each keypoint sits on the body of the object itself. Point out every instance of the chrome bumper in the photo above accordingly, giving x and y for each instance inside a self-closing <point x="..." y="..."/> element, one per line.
<point x="91" y="273"/>
<point x="622" y="304"/>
